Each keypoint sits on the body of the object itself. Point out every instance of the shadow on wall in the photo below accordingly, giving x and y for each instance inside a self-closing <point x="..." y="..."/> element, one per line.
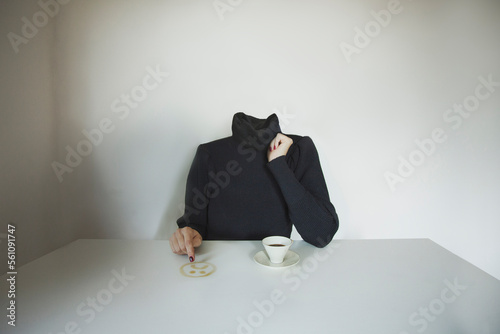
<point x="137" y="182"/>
<point x="174" y="209"/>
<point x="134" y="166"/>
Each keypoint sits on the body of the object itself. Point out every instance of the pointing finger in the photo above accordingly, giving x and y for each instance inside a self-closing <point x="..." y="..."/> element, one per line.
<point x="188" y="238"/>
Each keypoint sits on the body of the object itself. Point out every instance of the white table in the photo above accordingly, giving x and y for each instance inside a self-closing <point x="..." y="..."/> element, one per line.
<point x="352" y="286"/>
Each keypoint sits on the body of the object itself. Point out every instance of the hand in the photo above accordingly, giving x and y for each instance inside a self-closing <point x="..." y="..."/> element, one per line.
<point x="184" y="240"/>
<point x="279" y="146"/>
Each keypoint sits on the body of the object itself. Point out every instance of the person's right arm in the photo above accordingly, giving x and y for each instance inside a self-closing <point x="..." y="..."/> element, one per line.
<point x="192" y="225"/>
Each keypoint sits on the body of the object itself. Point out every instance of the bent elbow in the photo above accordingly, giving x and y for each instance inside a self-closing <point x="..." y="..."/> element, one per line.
<point x="322" y="240"/>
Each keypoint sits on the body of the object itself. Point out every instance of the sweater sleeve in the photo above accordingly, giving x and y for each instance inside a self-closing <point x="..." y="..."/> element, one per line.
<point x="196" y="201"/>
<point x="305" y="193"/>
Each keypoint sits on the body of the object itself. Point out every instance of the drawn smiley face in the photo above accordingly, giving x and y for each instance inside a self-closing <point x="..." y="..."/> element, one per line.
<point x="197" y="269"/>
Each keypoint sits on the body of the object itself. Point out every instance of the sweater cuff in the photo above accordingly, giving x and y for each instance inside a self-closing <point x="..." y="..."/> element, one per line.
<point x="290" y="187"/>
<point x="197" y="228"/>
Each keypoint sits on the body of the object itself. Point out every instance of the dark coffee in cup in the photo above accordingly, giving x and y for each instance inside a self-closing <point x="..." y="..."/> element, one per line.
<point x="277" y="245"/>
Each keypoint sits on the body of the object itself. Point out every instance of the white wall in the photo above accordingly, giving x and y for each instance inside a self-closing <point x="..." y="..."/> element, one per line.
<point x="29" y="197"/>
<point x="285" y="57"/>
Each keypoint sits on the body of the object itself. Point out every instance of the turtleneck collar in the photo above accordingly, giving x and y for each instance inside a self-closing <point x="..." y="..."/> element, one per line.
<point x="255" y="132"/>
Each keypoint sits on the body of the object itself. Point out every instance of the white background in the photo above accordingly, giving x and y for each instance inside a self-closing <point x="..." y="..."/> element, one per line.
<point x="259" y="57"/>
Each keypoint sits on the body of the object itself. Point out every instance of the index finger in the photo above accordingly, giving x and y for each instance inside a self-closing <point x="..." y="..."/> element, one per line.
<point x="272" y="144"/>
<point x="188" y="239"/>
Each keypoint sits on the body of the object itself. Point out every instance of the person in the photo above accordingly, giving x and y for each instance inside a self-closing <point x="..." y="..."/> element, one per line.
<point x="256" y="183"/>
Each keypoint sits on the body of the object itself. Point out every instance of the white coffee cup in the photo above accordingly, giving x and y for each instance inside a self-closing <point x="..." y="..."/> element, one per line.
<point x="277" y="247"/>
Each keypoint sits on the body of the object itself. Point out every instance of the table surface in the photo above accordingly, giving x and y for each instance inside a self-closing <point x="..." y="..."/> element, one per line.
<point x="351" y="286"/>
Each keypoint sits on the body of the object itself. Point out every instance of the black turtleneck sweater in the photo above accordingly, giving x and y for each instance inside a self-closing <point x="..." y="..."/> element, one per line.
<point x="234" y="193"/>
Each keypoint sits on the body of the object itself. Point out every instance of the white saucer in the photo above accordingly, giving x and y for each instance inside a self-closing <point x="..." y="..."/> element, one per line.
<point x="291" y="258"/>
